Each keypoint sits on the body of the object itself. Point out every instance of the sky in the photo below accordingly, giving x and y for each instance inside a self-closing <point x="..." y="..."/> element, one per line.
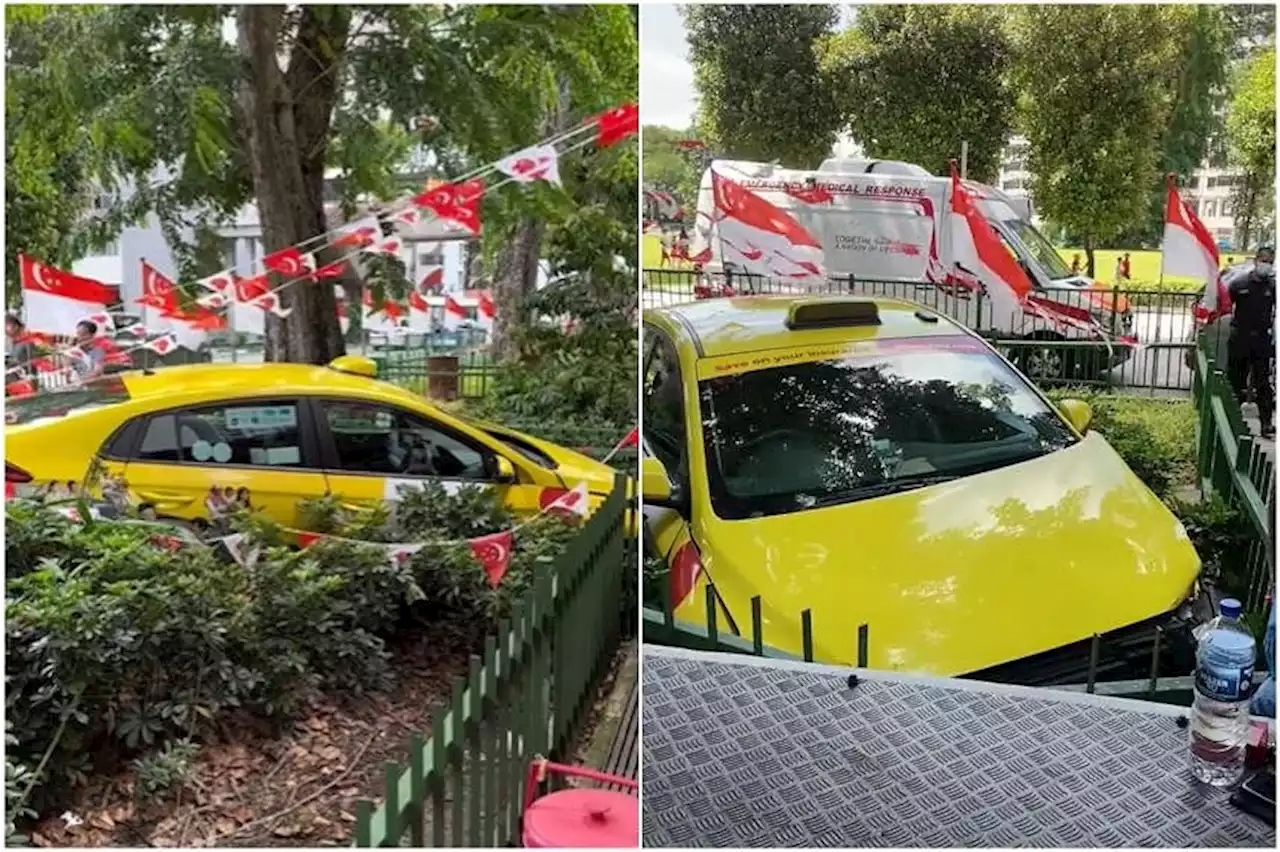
<point x="666" y="77"/>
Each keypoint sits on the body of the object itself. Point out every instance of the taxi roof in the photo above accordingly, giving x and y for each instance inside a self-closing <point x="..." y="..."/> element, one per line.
<point x="252" y="379"/>
<point x="736" y="325"/>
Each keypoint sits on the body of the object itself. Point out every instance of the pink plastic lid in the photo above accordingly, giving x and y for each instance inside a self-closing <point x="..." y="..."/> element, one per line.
<point x="583" y="817"/>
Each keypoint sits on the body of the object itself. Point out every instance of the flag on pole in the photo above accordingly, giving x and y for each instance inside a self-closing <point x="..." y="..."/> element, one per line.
<point x="571" y="504"/>
<point x="486" y="311"/>
<point x="454" y="314"/>
<point x="760" y="237"/>
<point x="1188" y="251"/>
<point x="55" y="301"/>
<point x="419" y="312"/>
<point x="977" y="248"/>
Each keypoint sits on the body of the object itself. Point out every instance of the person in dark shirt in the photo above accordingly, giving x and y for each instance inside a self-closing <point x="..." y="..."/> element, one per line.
<point x="1251" y="347"/>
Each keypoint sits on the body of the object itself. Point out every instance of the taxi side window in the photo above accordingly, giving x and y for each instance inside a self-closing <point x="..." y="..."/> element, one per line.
<point x="376" y="439"/>
<point x="664" y="422"/>
<point x="257" y="434"/>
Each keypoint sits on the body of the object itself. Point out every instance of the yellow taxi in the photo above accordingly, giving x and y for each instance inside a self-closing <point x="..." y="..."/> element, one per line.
<point x="268" y="435"/>
<point x="876" y="463"/>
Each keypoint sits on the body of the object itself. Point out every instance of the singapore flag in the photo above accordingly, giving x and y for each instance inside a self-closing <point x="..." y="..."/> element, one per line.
<point x="761" y="238"/>
<point x="977" y="248"/>
<point x="1188" y="251"/>
<point x="56" y="301"/>
<point x="536" y="163"/>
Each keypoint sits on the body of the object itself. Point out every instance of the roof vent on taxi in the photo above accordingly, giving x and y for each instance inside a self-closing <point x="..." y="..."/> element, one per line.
<point x="355" y="365"/>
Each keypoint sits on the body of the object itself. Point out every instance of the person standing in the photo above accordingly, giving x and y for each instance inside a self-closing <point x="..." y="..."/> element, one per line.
<point x="1126" y="271"/>
<point x="1251" y="346"/>
<point x="1075" y="264"/>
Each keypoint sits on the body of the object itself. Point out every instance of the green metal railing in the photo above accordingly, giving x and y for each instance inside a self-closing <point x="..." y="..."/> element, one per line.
<point x="1160" y="319"/>
<point x="661" y="627"/>
<point x="441" y="376"/>
<point x="1231" y="462"/>
<point x="527" y="695"/>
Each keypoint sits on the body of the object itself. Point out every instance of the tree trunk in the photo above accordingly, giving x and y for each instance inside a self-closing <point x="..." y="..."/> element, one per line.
<point x="515" y="276"/>
<point x="1088" y="256"/>
<point x="288" y="115"/>
<point x="515" y="272"/>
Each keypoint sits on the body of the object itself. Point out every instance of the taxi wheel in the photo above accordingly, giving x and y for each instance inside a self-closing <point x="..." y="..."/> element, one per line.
<point x="1046" y="360"/>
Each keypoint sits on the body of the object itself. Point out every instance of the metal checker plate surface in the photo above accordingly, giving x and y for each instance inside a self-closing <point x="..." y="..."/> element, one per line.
<point x="740" y="755"/>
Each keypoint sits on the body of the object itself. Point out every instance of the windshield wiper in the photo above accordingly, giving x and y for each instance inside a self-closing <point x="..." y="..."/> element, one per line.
<point x="879" y="489"/>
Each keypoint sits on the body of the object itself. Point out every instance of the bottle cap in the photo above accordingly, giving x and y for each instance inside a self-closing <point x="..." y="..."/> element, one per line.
<point x="1230" y="608"/>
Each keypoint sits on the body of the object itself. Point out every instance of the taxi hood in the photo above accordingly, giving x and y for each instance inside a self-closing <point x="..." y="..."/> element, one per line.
<point x="958" y="577"/>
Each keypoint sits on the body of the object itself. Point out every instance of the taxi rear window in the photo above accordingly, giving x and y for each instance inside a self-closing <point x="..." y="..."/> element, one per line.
<point x="60" y="403"/>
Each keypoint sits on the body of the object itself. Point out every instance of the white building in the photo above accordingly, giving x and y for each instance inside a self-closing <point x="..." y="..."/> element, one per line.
<point x="1208" y="189"/>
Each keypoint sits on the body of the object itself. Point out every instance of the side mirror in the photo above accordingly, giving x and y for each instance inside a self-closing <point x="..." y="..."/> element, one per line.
<point x="506" y="472"/>
<point x="1077" y="412"/>
<point x="655" y="485"/>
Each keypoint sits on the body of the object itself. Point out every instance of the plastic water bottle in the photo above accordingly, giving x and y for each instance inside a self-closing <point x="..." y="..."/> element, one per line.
<point x="1225" y="658"/>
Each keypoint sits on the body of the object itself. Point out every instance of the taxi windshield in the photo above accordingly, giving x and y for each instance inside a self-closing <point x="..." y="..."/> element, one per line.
<point x="820" y="433"/>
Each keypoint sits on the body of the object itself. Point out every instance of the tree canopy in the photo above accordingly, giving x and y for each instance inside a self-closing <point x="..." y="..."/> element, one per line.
<point x="159" y="109"/>
<point x="1251" y="140"/>
<point x="669" y="167"/>
<point x="760" y="93"/>
<point x="1095" y="130"/>
<point x="913" y="82"/>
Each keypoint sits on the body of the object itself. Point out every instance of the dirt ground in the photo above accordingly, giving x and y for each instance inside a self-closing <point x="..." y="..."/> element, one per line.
<point x="254" y="787"/>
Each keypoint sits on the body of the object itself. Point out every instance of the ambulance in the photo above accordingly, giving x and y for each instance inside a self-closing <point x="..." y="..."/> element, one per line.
<point x="883" y="226"/>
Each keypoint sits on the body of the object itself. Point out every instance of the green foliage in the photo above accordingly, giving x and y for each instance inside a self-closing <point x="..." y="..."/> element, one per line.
<point x="1155" y="437"/>
<point x="761" y="94"/>
<point x="1095" y="118"/>
<point x="18" y="779"/>
<point x="118" y="648"/>
<point x="914" y="81"/>
<point x="670" y="168"/>
<point x="1251" y="141"/>
<point x="576" y="351"/>
<point x="172" y="766"/>
<point x="146" y="96"/>
<point x="1222" y="535"/>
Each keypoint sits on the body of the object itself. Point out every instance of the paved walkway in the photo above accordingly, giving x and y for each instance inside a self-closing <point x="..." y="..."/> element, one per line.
<point x="1250" y="412"/>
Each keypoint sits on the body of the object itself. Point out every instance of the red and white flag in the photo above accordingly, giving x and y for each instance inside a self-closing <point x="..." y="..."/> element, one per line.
<point x="213" y="300"/>
<point x="54" y="300"/>
<point x="977" y="248"/>
<point x="219" y="283"/>
<point x="569" y="504"/>
<point x="616" y="124"/>
<point x="434" y="278"/>
<point x="328" y="271"/>
<point x="454" y="314"/>
<point x="157" y="290"/>
<point x="289" y="262"/>
<point x="106" y="325"/>
<point x="631" y="439"/>
<point x="455" y="202"/>
<point x="761" y="238"/>
<point x="1188" y="251"/>
<point x="419" y="312"/>
<point x="358" y="233"/>
<point x="256" y="291"/>
<point x="162" y="345"/>
<point x="537" y="163"/>
<point x="390" y="247"/>
<point x="486" y="310"/>
<point x="493" y="552"/>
